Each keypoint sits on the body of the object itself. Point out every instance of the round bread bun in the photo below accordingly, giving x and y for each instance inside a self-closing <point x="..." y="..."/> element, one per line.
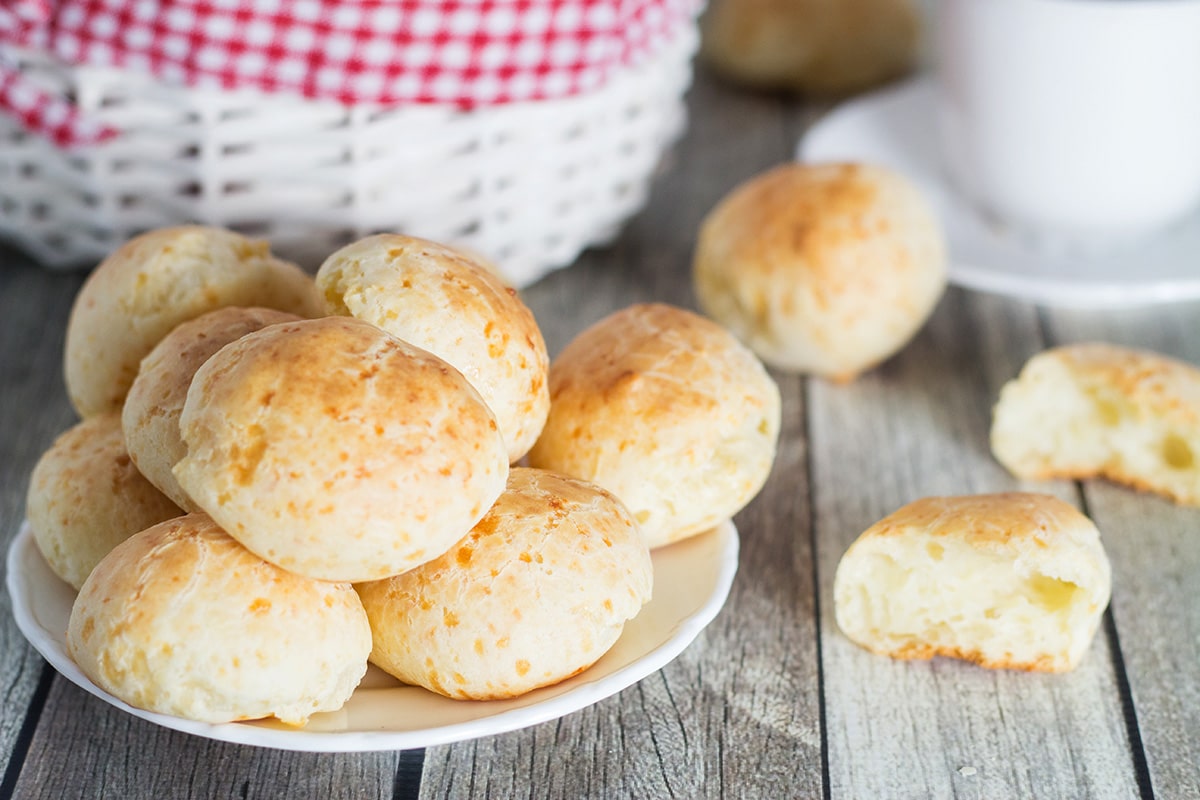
<point x="823" y="269"/>
<point x="454" y="305"/>
<point x="666" y="410"/>
<point x="183" y="620"/>
<point x="337" y="451"/>
<point x="150" y="416"/>
<point x="154" y="282"/>
<point x="536" y="593"/>
<point x="86" y="497"/>
<point x="828" y="47"/>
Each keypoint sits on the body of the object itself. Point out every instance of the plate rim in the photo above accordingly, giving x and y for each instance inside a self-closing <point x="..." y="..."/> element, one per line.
<point x="578" y="697"/>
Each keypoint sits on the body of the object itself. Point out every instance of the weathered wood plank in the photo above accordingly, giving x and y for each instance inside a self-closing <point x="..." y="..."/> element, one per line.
<point x="33" y="410"/>
<point x="84" y="748"/>
<point x="1155" y="552"/>
<point x="917" y="427"/>
<point x="737" y="713"/>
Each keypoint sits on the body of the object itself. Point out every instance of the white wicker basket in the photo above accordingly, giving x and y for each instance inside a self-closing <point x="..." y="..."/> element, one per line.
<point x="528" y="184"/>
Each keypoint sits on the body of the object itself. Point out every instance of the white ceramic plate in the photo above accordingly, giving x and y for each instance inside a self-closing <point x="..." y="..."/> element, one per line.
<point x="895" y="128"/>
<point x="691" y="582"/>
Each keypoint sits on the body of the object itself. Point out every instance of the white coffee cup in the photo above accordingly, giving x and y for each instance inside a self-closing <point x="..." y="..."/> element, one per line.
<point x="1074" y="121"/>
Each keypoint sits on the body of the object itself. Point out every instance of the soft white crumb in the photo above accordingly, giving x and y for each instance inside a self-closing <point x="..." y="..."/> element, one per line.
<point x="967" y="772"/>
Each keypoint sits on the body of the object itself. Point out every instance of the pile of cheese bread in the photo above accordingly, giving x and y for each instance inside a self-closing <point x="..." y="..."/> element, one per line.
<point x="279" y="477"/>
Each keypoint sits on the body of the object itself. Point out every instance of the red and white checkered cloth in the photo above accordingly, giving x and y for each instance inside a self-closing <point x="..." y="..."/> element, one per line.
<point x="467" y="53"/>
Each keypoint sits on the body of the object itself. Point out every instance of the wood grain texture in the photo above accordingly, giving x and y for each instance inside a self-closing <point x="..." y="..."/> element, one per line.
<point x="85" y="748"/>
<point x="33" y="410"/>
<point x="1155" y="550"/>
<point x="737" y="714"/>
<point x="915" y="427"/>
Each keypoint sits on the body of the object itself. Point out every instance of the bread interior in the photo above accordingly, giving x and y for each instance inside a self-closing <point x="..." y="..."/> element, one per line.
<point x="1077" y="426"/>
<point x="923" y="595"/>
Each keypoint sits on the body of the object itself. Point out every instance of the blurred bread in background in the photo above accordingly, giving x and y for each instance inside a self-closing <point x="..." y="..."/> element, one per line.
<point x="1099" y="410"/>
<point x="822" y="268"/>
<point x="830" y="47"/>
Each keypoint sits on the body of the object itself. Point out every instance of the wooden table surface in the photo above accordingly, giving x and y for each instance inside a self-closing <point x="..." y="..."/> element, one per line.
<point x="771" y="701"/>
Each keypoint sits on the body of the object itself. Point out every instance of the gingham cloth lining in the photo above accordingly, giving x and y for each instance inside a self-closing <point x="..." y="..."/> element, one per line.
<point x="467" y="53"/>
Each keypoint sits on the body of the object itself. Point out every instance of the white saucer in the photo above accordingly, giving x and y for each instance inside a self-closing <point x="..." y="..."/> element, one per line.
<point x="895" y="128"/>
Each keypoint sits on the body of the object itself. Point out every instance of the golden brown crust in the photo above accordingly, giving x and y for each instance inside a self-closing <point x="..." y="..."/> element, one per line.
<point x="916" y="651"/>
<point x="540" y="588"/>
<point x="796" y="211"/>
<point x="183" y="620"/>
<point x="982" y="519"/>
<point x="336" y="450"/>
<point x="152" y="283"/>
<point x="454" y="305"/>
<point x="821" y="268"/>
<point x="86" y="496"/>
<point x="150" y="416"/>
<point x="665" y="409"/>
<point x="615" y="365"/>
<point x="1157" y="384"/>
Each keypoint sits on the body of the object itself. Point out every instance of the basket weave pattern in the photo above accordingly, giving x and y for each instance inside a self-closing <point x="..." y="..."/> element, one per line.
<point x="529" y="185"/>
